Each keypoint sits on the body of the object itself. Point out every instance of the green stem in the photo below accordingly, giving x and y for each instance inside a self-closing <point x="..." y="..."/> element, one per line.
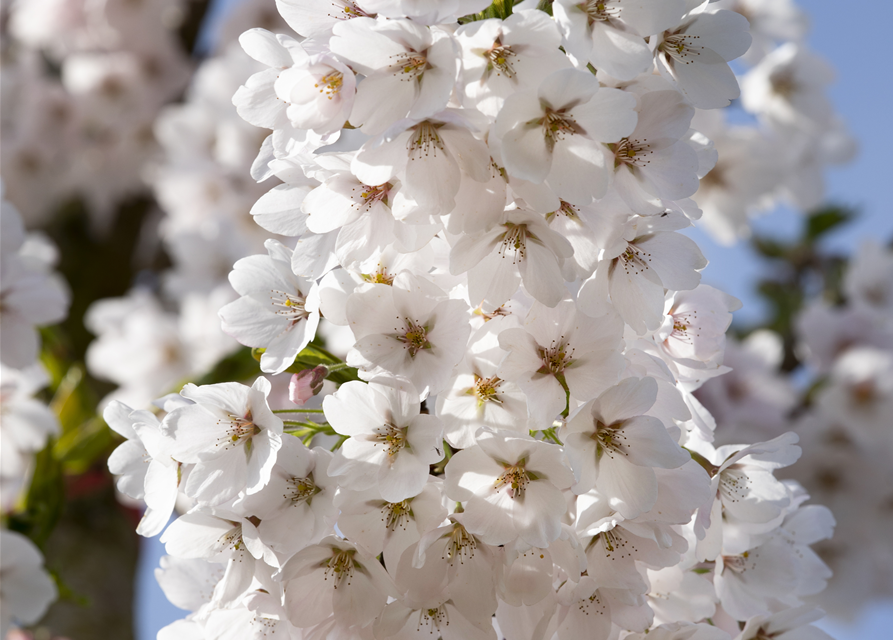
<point x="319" y="426"/>
<point x="567" y="394"/>
<point x="307" y="430"/>
<point x="708" y="466"/>
<point x="441" y="466"/>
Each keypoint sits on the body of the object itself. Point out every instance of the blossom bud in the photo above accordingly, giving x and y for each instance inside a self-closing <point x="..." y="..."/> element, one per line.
<point x="306" y="384"/>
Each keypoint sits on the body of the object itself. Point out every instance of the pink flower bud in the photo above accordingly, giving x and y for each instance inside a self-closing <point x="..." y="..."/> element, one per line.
<point x="306" y="384"/>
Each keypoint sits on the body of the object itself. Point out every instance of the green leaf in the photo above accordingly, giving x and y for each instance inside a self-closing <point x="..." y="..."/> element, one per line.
<point x="85" y="437"/>
<point x="67" y="594"/>
<point x="314" y="355"/>
<point x="74" y="402"/>
<point x="787" y="301"/>
<point x="44" y="501"/>
<point x="824" y="220"/>
<point x="771" y="248"/>
<point x="813" y="391"/>
<point x="501" y="9"/>
<point x="77" y="449"/>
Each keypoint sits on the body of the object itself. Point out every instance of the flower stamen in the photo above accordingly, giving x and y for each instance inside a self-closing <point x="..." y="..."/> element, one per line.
<point x="381" y="276"/>
<point x="737" y="564"/>
<point x="680" y="47"/>
<point x="290" y="305"/>
<point x="515" y="240"/>
<point x="460" y="545"/>
<point x="392" y="437"/>
<point x="426" y="141"/>
<point x="633" y="260"/>
<point x="515" y="479"/>
<point x="486" y="389"/>
<point x="331" y="84"/>
<point x="433" y="618"/>
<point x="609" y="440"/>
<point x="415" y="338"/>
<point x="340" y="566"/>
<point x="631" y="152"/>
<point x="556" y="357"/>
<point x="409" y="66"/>
<point x="396" y="514"/>
<point x="556" y="125"/>
<point x="599" y="11"/>
<point x="302" y="490"/>
<point x="499" y="58"/>
<point x="237" y="430"/>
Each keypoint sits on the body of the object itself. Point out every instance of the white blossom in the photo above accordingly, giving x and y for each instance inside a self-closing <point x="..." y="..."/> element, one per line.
<point x="278" y="310"/>
<point x="408" y="329"/>
<point x="556" y="132"/>
<point x="410" y="70"/>
<point x="511" y="486"/>
<point x="143" y="464"/>
<point x="615" y="448"/>
<point x="30" y="294"/>
<point x="28" y="590"/>
<point x="230" y="435"/>
<point x="693" y="55"/>
<point x="561" y="354"/>
<point x="480" y="228"/>
<point x="334" y="577"/>
<point x="391" y="444"/>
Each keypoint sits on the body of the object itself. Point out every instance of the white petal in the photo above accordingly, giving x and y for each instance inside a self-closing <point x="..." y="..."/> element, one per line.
<point x="622" y="55"/>
<point x="537" y="516"/>
<point x="542" y="276"/>
<point x="708" y="83"/>
<point x="609" y="116"/>
<point x="632" y="397"/>
<point x="649" y="444"/>
<point x="568" y="87"/>
<point x="676" y="259"/>
<point x="381" y="100"/>
<point x="217" y="480"/>
<point x="578" y="172"/>
<point x="264" y="47"/>
<point x="631" y="490"/>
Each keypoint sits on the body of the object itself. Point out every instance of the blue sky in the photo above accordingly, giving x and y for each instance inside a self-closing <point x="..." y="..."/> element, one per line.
<point x="854" y="36"/>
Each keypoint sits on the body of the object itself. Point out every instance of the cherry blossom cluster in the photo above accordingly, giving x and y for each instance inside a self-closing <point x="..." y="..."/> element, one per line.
<point x="515" y="449"/>
<point x="82" y="85"/>
<point x="31" y="296"/>
<point x="202" y="186"/>
<point x="841" y="407"/>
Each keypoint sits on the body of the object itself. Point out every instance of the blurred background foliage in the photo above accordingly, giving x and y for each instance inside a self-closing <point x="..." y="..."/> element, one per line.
<point x="70" y="510"/>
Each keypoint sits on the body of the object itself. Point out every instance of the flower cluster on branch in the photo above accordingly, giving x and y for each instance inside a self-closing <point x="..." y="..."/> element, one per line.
<point x="511" y="410"/>
<point x="489" y="206"/>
